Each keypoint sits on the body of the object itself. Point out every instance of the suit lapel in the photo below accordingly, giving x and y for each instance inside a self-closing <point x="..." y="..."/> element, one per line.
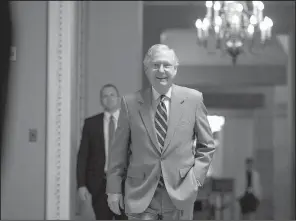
<point x="176" y="112"/>
<point x="146" y="113"/>
<point x="101" y="140"/>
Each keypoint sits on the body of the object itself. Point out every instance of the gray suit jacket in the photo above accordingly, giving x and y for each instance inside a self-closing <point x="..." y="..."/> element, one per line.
<point x="183" y="168"/>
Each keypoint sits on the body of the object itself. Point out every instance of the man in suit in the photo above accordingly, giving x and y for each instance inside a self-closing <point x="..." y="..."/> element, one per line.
<point x="92" y="159"/>
<point x="158" y="126"/>
<point x="6" y="43"/>
<point x="249" y="191"/>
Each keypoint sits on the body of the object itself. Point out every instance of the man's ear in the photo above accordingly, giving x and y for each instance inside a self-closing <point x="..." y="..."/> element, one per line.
<point x="119" y="101"/>
<point x="145" y="68"/>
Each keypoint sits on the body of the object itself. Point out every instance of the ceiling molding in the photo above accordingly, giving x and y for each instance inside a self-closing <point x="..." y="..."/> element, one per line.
<point x="243" y="101"/>
<point x="173" y="3"/>
<point x="228" y="76"/>
<point x="201" y="3"/>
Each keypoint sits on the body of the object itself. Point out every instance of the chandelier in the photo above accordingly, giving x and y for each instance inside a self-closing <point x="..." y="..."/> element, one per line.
<point x="234" y="26"/>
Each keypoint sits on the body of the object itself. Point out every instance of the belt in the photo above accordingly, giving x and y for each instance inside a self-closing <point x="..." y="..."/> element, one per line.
<point x="160" y="182"/>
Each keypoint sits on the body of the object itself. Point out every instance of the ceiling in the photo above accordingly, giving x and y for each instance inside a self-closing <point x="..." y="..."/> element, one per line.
<point x="173" y="22"/>
<point x="291" y="3"/>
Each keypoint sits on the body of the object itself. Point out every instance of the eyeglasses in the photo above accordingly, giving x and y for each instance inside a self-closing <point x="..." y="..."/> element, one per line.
<point x="166" y="67"/>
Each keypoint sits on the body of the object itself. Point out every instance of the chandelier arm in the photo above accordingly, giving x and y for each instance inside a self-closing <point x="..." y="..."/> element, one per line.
<point x="248" y="13"/>
<point x="251" y="47"/>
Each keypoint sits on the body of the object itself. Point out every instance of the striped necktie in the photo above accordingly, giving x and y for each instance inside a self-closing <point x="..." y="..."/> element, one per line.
<point x="161" y="121"/>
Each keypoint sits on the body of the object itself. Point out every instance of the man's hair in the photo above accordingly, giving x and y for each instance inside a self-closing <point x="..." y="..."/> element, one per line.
<point x="156" y="48"/>
<point x="108" y="85"/>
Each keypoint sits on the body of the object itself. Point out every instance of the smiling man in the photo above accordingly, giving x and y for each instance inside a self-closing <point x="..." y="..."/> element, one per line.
<point x="153" y="142"/>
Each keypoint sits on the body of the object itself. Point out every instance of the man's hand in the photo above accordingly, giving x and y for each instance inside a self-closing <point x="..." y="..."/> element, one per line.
<point x="83" y="193"/>
<point x="114" y="201"/>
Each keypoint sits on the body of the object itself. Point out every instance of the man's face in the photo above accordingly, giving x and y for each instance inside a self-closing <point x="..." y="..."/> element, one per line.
<point x="109" y="99"/>
<point x="249" y="166"/>
<point x="161" y="71"/>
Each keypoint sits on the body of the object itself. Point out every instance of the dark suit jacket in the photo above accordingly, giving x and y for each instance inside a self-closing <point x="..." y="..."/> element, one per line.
<point x="5" y="43"/>
<point x="91" y="154"/>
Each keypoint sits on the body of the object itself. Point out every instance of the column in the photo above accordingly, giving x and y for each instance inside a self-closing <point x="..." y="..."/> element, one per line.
<point x="291" y="114"/>
<point x="61" y="89"/>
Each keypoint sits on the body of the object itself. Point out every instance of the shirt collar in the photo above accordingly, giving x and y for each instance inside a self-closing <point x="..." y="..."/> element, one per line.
<point x="156" y="95"/>
<point x="115" y="115"/>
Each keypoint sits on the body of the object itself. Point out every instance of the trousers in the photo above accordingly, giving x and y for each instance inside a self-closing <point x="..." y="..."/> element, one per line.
<point x="162" y="208"/>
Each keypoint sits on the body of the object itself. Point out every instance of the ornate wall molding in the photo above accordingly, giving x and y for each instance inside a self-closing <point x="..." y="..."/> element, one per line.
<point x="61" y="87"/>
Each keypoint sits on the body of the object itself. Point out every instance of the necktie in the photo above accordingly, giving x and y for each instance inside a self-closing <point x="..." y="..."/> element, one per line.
<point x="111" y="129"/>
<point x="161" y="128"/>
<point x="249" y="180"/>
<point x="161" y="121"/>
<point x="111" y="134"/>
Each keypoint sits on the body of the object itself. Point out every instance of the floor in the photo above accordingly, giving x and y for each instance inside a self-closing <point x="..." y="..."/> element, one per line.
<point x="264" y="212"/>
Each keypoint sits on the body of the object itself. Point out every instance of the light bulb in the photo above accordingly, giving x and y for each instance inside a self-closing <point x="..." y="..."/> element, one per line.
<point x="235" y="19"/>
<point x="260" y="5"/>
<point x="209" y="4"/>
<point x="217" y="6"/>
<point x="206" y="24"/>
<point x="250" y="29"/>
<point x="263" y="26"/>
<point x="218" y="21"/>
<point x="253" y="20"/>
<point x="268" y="21"/>
<point x="198" y="23"/>
<point x="239" y="7"/>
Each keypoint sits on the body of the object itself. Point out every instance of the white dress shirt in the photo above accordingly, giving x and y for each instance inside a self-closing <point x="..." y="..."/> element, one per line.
<point x="156" y="100"/>
<point x="107" y="116"/>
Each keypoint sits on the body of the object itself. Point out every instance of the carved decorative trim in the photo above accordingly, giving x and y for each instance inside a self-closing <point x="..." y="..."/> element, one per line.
<point x="61" y="54"/>
<point x="81" y="69"/>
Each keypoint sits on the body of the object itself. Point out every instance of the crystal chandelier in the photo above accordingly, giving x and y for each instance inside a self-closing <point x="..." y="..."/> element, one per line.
<point x="233" y="25"/>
